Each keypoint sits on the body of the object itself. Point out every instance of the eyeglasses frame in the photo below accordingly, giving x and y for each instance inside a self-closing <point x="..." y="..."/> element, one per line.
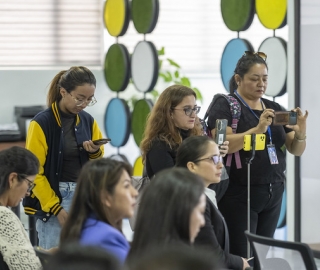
<point x="260" y="54"/>
<point x="88" y="102"/>
<point x="220" y="159"/>
<point x="31" y="184"/>
<point x="196" y="110"/>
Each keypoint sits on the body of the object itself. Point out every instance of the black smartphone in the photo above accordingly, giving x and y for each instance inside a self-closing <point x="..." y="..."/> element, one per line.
<point x="282" y="118"/>
<point x="101" y="141"/>
<point x="221" y="129"/>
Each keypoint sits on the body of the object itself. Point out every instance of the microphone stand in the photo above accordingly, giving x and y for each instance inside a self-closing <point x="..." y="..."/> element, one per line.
<point x="249" y="160"/>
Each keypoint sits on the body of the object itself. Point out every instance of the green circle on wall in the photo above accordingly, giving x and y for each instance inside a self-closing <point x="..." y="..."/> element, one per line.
<point x="237" y="15"/>
<point x="144" y="14"/>
<point x="117" y="67"/>
<point x="139" y="117"/>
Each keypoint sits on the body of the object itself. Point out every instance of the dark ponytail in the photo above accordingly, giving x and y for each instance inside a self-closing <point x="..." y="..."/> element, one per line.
<point x="69" y="80"/>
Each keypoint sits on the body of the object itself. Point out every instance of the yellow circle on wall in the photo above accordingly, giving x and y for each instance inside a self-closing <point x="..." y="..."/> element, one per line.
<point x="116" y="17"/>
<point x="272" y="13"/>
<point x="138" y="167"/>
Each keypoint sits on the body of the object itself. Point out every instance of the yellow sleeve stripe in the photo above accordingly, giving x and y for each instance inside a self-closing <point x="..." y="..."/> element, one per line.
<point x="55" y="110"/>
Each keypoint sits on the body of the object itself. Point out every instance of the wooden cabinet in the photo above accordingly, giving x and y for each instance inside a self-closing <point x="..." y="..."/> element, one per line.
<point x="5" y="145"/>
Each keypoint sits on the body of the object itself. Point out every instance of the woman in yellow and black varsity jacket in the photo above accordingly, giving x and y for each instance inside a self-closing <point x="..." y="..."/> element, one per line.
<point x="61" y="137"/>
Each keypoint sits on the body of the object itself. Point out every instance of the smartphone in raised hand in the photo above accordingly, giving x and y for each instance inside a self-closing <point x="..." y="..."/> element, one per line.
<point x="282" y="118"/>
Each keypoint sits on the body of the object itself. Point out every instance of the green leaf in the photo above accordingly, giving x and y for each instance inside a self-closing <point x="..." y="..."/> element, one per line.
<point x="161" y="51"/>
<point x="176" y="74"/>
<point x="160" y="64"/>
<point x="169" y="76"/>
<point x="154" y="93"/>
<point x="185" y="81"/>
<point x="166" y="77"/>
<point x="198" y="93"/>
<point x="173" y="63"/>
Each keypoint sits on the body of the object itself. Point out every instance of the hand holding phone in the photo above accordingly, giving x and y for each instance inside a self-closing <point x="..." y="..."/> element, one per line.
<point x="101" y="141"/>
<point x="221" y="129"/>
<point x="282" y="118"/>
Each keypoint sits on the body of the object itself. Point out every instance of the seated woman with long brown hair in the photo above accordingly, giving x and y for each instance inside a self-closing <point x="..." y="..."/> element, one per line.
<point x="103" y="197"/>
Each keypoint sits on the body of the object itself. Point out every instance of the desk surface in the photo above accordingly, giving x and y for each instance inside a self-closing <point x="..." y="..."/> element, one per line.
<point x="5" y="145"/>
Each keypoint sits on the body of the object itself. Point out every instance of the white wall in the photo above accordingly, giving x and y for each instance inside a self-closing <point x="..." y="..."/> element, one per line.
<point x="310" y="98"/>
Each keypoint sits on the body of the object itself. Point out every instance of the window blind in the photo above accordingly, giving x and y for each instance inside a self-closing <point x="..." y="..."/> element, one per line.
<point x="50" y="32"/>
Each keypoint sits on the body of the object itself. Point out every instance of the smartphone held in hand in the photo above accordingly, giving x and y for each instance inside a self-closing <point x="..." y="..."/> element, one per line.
<point x="282" y="118"/>
<point x="221" y="129"/>
<point x="101" y="141"/>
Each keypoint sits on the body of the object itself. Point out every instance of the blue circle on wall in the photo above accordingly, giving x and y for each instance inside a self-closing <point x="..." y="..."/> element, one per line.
<point x="117" y="122"/>
<point x="230" y="56"/>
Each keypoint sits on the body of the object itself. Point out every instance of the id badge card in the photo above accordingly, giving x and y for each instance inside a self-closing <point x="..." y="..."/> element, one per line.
<point x="272" y="154"/>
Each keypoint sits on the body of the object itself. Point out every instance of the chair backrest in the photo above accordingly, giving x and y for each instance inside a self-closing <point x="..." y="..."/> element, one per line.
<point x="276" y="254"/>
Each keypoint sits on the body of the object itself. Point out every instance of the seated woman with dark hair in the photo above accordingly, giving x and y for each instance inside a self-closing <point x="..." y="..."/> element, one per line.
<point x="200" y="155"/>
<point x="175" y="258"/>
<point x="171" y="211"/>
<point x="18" y="168"/>
<point x="103" y="197"/>
<point x="75" y="256"/>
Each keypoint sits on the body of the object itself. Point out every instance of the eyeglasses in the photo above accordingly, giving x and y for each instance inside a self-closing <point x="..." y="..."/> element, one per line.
<point x="189" y="111"/>
<point x="261" y="54"/>
<point x="216" y="159"/>
<point x="79" y="102"/>
<point x="30" y="183"/>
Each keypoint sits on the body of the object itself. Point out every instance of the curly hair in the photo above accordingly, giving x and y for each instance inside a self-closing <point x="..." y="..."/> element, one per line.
<point x="159" y="123"/>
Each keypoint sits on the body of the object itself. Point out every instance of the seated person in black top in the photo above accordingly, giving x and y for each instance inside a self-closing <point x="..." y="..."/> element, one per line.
<point x="200" y="155"/>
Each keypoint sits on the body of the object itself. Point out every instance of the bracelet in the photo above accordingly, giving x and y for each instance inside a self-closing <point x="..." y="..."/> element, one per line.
<point x="300" y="140"/>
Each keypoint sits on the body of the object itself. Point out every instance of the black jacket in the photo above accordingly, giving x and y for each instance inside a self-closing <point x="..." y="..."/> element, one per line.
<point x="214" y="236"/>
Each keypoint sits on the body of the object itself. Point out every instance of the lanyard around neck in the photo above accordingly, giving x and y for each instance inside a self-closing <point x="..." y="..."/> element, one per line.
<point x="263" y="107"/>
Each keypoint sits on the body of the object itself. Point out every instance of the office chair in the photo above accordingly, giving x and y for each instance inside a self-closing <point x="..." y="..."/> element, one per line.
<point x="272" y="254"/>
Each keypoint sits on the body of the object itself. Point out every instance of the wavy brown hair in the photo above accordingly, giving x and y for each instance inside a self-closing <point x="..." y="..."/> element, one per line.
<point x="159" y="123"/>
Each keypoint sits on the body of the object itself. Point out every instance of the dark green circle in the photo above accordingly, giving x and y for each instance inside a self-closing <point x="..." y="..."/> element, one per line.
<point x="237" y="15"/>
<point x="144" y="14"/>
<point x="117" y="67"/>
<point x="141" y="110"/>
